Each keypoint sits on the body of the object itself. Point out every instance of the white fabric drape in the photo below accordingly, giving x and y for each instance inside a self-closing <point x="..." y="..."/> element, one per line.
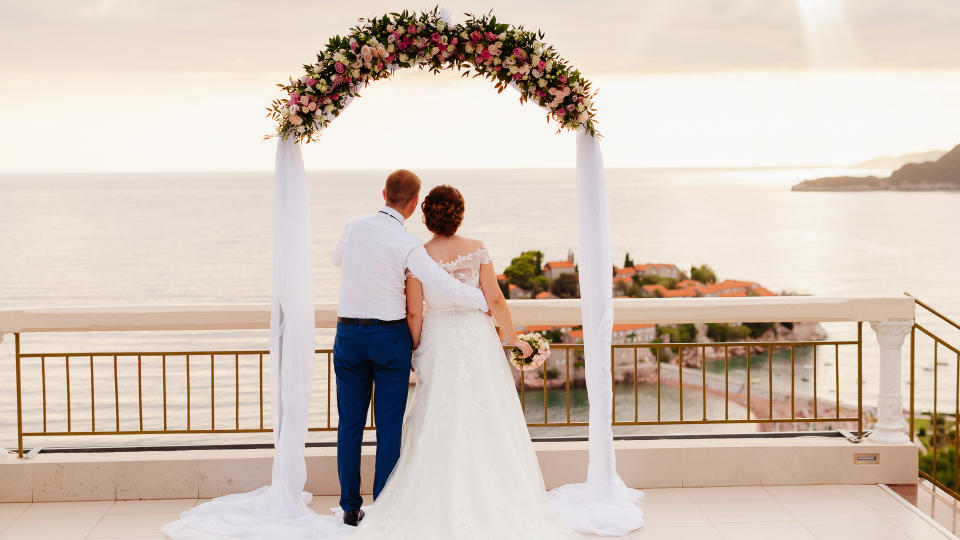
<point x="603" y="505"/>
<point x="279" y="511"/>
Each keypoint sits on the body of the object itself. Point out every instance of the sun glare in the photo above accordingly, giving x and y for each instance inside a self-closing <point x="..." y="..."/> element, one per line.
<point x="829" y="40"/>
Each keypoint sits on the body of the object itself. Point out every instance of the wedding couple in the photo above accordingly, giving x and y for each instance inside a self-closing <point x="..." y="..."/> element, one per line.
<point x="462" y="465"/>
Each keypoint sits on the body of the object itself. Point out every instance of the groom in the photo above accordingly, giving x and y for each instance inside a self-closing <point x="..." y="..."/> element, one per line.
<point x="373" y="344"/>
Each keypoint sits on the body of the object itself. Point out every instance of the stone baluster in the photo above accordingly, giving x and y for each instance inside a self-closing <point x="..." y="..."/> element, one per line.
<point x="891" y="426"/>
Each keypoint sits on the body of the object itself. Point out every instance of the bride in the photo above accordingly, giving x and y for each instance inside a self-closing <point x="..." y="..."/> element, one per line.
<point x="467" y="468"/>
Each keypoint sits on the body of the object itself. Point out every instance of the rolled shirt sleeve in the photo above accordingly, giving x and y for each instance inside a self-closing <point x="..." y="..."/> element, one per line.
<point x="424" y="268"/>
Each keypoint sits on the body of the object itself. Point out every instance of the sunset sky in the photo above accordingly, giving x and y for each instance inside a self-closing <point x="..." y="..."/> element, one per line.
<point x="137" y="85"/>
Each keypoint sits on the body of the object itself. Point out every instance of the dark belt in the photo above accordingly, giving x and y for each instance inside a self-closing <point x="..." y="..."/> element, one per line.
<point x="369" y="322"/>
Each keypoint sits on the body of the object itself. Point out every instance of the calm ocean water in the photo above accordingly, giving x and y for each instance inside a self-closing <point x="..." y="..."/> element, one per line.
<point x="194" y="238"/>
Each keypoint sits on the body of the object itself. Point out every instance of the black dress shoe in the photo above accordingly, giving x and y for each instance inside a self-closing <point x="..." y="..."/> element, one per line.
<point x="353" y="517"/>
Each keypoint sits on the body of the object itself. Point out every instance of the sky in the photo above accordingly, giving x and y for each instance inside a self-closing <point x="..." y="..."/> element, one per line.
<point x="177" y="85"/>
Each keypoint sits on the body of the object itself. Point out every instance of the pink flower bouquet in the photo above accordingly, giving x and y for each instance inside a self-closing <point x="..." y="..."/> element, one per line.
<point x="540" y="351"/>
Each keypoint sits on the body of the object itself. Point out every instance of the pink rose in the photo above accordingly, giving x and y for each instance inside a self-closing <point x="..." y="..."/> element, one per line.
<point x="542" y="65"/>
<point x="313" y="105"/>
<point x="435" y="37"/>
<point x="335" y="96"/>
<point x="339" y="67"/>
<point x="541" y="93"/>
<point x="294" y="98"/>
<point x="518" y="52"/>
<point x="517" y="76"/>
<point x="379" y="66"/>
<point x="353" y="44"/>
<point x="497" y="68"/>
<point x="310" y="81"/>
<point x="391" y="58"/>
<point x="476" y="35"/>
<point x="461" y="57"/>
<point x="454" y="41"/>
<point x="491" y="36"/>
<point x="485" y="54"/>
<point x="412" y="29"/>
<point x="563" y="78"/>
<point x="304" y="100"/>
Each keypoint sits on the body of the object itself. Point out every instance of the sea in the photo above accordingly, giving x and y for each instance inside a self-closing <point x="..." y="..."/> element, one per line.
<point x="123" y="239"/>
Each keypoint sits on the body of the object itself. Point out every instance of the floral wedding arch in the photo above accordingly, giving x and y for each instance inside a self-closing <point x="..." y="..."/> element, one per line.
<point x="508" y="56"/>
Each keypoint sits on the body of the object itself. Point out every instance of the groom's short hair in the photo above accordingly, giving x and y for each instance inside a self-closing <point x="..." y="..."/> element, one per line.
<point x="402" y="187"/>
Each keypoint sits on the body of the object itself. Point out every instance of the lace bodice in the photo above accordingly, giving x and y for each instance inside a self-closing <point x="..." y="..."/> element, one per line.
<point x="466" y="268"/>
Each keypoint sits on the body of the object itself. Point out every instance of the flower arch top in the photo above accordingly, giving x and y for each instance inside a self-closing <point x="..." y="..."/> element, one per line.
<point x="507" y="55"/>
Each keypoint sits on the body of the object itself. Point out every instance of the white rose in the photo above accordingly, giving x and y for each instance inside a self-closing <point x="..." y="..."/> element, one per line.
<point x="404" y="58"/>
<point x="502" y="36"/>
<point x="535" y="59"/>
<point x="301" y="130"/>
<point x="464" y="35"/>
<point x="328" y="108"/>
<point x="391" y="48"/>
<point x="434" y="50"/>
<point x="497" y="61"/>
<point x="542" y="83"/>
<point x="468" y="47"/>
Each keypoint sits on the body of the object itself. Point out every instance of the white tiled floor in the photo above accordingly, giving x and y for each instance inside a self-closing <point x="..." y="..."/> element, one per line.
<point x="762" y="513"/>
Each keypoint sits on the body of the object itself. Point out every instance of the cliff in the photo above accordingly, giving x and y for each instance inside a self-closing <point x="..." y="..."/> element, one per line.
<point x="943" y="174"/>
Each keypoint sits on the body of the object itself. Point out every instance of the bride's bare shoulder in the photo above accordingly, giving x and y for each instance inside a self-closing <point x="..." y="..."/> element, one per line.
<point x="470" y="244"/>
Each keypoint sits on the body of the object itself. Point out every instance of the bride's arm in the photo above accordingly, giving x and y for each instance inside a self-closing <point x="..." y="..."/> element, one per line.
<point x="414" y="309"/>
<point x="498" y="304"/>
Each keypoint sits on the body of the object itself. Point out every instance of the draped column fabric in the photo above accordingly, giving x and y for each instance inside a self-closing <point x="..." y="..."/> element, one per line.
<point x="279" y="510"/>
<point x="603" y="505"/>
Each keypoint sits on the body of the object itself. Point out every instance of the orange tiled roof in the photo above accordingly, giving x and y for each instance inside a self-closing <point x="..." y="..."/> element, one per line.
<point x="678" y="293"/>
<point x="541" y="328"/>
<point x="559" y="264"/>
<point x="628" y="271"/>
<point x="760" y="291"/>
<point x="623" y="279"/>
<point x="623" y="327"/>
<point x="683" y="284"/>
<point x="648" y="266"/>
<point x="576" y="334"/>
<point x="545" y="294"/>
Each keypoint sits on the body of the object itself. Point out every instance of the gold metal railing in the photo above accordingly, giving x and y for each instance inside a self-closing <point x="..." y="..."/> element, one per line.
<point x="232" y="399"/>
<point x="936" y="431"/>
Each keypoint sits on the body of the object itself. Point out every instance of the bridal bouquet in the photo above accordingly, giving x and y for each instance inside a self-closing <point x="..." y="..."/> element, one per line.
<point x="540" y="351"/>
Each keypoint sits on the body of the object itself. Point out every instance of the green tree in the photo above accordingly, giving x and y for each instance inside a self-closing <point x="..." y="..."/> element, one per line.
<point x="727" y="332"/>
<point x="627" y="261"/>
<point x="524" y="271"/>
<point x="703" y="273"/>
<point x="566" y="286"/>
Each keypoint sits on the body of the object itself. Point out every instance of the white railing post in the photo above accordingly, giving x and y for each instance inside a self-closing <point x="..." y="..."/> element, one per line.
<point x="891" y="426"/>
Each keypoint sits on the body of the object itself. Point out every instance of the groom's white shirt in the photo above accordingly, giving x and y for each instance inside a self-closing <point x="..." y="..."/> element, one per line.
<point x="374" y="252"/>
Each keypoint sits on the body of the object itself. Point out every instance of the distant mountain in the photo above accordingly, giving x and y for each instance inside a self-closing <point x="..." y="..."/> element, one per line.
<point x="943" y="174"/>
<point x="895" y="162"/>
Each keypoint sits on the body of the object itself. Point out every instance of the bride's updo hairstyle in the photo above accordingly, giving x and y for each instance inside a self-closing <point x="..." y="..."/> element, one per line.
<point x="443" y="210"/>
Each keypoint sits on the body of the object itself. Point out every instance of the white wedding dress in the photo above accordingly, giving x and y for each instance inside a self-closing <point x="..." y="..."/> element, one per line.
<point x="467" y="468"/>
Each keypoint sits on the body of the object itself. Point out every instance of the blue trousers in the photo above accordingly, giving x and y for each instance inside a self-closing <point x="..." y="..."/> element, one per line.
<point x="369" y="358"/>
